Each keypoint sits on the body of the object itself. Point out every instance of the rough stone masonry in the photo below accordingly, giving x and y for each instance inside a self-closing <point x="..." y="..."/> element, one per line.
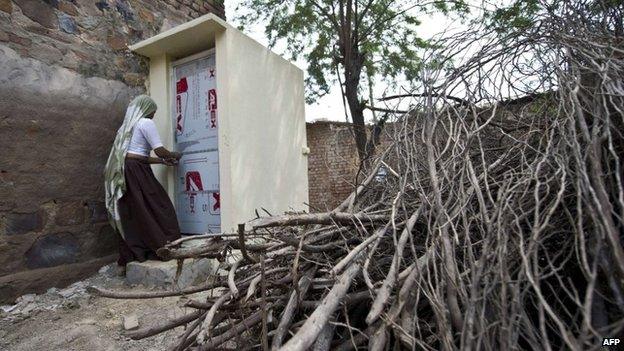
<point x="66" y="76"/>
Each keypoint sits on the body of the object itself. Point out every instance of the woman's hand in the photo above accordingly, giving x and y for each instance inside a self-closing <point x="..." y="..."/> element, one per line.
<point x="170" y="161"/>
<point x="166" y="154"/>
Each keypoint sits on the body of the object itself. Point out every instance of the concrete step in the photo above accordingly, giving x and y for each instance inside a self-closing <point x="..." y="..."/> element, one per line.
<point x="162" y="273"/>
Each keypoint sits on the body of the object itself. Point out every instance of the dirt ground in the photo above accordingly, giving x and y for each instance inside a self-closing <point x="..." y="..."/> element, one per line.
<point x="72" y="319"/>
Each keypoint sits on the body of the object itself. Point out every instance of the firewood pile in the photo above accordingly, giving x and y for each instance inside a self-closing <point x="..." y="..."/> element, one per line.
<point x="485" y="223"/>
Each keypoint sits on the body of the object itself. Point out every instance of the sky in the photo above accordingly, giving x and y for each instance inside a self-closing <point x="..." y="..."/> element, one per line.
<point x="331" y="107"/>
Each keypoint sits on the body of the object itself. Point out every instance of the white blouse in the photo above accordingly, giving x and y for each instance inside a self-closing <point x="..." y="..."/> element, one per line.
<point x="144" y="138"/>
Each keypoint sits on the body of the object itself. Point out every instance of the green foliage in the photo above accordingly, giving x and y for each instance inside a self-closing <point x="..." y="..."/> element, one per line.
<point x="522" y="15"/>
<point x="517" y="16"/>
<point x="382" y="32"/>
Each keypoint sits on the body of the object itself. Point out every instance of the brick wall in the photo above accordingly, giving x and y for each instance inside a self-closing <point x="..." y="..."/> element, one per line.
<point x="332" y="163"/>
<point x="66" y="77"/>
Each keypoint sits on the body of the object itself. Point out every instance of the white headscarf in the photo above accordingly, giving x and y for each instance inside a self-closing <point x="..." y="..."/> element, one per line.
<point x="114" y="180"/>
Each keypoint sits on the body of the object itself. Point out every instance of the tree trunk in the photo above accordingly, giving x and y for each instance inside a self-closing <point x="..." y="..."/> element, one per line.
<point x="357" y="115"/>
<point x="353" y="61"/>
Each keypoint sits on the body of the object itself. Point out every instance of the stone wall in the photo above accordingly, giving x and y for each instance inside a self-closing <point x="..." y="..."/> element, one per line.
<point x="66" y="77"/>
<point x="91" y="36"/>
<point x="332" y="163"/>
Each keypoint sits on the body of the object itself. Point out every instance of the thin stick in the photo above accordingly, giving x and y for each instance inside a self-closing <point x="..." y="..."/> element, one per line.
<point x="156" y="329"/>
<point x="265" y="338"/>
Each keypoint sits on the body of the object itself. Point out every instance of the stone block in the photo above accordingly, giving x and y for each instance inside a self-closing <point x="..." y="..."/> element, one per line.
<point x="162" y="274"/>
<point x="68" y="8"/>
<point x="70" y="213"/>
<point x="123" y="7"/>
<point x="20" y="223"/>
<point x="48" y="54"/>
<point x="38" y="11"/>
<point x="102" y="5"/>
<point x="6" y="6"/>
<point x="67" y="24"/>
<point x="19" y="40"/>
<point x="117" y="42"/>
<point x="89" y="22"/>
<point x="146" y="15"/>
<point x="53" y="250"/>
<point x="130" y="322"/>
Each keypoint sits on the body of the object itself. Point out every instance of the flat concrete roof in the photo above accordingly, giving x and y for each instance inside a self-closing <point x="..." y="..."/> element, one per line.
<point x="186" y="39"/>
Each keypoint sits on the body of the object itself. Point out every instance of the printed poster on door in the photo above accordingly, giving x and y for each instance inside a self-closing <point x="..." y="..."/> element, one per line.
<point x="196" y="131"/>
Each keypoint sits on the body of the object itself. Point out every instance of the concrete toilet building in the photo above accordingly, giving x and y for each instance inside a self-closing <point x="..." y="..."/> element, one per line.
<point x="236" y="112"/>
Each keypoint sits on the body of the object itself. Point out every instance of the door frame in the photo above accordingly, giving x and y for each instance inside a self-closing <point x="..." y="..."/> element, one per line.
<point x="193" y="57"/>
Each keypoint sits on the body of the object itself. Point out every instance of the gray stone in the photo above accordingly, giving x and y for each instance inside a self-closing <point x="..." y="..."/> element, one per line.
<point x="38" y="11"/>
<point x="162" y="274"/>
<point x="20" y="223"/>
<point x="89" y="22"/>
<point x="67" y="24"/>
<point x="26" y="298"/>
<point x="130" y="322"/>
<point x="8" y="308"/>
<point x="52" y="250"/>
<point x="70" y="304"/>
<point x="105" y="269"/>
<point x="46" y="53"/>
<point x="69" y="292"/>
<point x="28" y="308"/>
<point x="125" y="10"/>
<point x="102" y="5"/>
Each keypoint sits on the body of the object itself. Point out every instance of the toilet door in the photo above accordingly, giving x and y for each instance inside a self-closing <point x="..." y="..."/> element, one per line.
<point x="195" y="126"/>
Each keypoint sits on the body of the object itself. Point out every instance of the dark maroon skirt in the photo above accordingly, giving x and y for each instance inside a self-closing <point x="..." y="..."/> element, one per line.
<point x="147" y="215"/>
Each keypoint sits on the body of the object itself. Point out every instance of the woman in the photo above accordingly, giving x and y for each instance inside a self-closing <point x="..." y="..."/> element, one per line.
<point x="138" y="206"/>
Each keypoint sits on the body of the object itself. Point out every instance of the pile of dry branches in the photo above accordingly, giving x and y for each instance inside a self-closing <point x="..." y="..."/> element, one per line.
<point x="497" y="225"/>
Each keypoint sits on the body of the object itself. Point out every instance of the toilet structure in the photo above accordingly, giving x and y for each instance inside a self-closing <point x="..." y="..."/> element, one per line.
<point x="236" y="112"/>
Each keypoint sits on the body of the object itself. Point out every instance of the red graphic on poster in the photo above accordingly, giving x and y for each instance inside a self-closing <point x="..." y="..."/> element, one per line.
<point x="193" y="184"/>
<point x="217" y="204"/>
<point x="181" y="88"/>
<point x="212" y="107"/>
